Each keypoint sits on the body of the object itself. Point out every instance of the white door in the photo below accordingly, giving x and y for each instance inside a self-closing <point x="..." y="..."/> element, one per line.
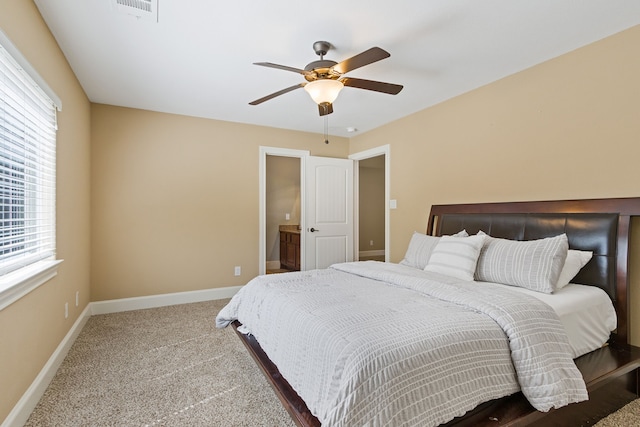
<point x="328" y="212"/>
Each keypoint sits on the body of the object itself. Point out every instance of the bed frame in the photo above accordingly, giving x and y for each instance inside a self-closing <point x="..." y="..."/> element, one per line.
<point x="611" y="373"/>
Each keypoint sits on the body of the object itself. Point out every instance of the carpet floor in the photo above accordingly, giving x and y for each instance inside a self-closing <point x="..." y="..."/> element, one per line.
<point x="165" y="366"/>
<point x="169" y="366"/>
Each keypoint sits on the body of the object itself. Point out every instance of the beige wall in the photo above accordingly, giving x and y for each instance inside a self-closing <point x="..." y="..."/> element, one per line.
<point x="32" y="327"/>
<point x="565" y="129"/>
<point x="175" y="200"/>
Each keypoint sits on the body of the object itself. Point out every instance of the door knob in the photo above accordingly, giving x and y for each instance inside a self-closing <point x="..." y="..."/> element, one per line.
<point x="313" y="230"/>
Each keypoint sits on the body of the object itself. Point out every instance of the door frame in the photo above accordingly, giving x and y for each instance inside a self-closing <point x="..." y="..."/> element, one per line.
<point x="383" y="150"/>
<point x="301" y="154"/>
<point x="262" y="197"/>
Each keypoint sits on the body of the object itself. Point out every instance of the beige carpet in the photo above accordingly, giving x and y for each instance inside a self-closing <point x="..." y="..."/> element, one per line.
<point x="169" y="366"/>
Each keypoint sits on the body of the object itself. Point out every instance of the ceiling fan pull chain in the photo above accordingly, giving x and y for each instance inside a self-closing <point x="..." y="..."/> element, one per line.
<point x="326" y="129"/>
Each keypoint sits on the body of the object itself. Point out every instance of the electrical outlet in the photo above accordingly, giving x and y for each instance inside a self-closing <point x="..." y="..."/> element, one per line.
<point x="66" y="310"/>
<point x="237" y="270"/>
<point x="370" y="242"/>
<point x="77" y="298"/>
<point x="287" y="217"/>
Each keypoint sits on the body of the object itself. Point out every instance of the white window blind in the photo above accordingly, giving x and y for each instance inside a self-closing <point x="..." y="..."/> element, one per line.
<point x="27" y="169"/>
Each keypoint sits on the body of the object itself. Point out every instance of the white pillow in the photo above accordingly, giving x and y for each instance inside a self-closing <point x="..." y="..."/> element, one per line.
<point x="572" y="265"/>
<point x="420" y="248"/>
<point x="456" y="256"/>
<point x="530" y="264"/>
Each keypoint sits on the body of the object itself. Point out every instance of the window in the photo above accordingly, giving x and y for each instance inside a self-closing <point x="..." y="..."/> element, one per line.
<point x="27" y="175"/>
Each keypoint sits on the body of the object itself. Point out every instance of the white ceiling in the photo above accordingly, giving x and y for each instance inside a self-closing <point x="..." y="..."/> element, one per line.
<point x="197" y="58"/>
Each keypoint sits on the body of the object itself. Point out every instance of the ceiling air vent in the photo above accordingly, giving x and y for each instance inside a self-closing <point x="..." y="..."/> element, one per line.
<point x="143" y="9"/>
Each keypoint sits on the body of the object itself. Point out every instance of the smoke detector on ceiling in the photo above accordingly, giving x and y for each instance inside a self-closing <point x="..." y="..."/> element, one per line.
<point x="141" y="9"/>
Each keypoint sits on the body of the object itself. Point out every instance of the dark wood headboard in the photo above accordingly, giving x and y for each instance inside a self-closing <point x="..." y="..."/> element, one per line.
<point x="602" y="226"/>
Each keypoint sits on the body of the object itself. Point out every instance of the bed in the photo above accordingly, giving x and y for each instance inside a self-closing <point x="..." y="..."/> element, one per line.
<point x="422" y="391"/>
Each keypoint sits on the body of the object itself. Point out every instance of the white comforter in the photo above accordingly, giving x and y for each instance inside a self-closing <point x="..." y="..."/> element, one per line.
<point x="374" y="344"/>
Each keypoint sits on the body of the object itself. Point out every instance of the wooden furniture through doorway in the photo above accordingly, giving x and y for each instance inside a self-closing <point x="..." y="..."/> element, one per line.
<point x="289" y="248"/>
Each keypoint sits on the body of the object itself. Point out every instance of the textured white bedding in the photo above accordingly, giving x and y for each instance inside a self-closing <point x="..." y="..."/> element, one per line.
<point x="383" y="344"/>
<point x="586" y="312"/>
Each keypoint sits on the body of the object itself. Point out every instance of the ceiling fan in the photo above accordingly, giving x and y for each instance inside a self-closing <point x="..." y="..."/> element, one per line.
<point x="324" y="78"/>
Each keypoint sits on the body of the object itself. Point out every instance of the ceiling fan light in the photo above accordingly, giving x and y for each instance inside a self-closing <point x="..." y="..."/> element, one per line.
<point x="325" y="90"/>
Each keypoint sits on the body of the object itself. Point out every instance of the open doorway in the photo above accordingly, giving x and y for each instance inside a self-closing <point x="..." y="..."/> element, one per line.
<point x="269" y="235"/>
<point x="372" y="204"/>
<point x="371" y="209"/>
<point x="283" y="214"/>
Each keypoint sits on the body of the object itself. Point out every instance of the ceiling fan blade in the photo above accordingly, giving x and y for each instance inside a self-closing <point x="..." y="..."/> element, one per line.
<point x="390" y="88"/>
<point x="278" y="93"/>
<point x="282" y="67"/>
<point x="325" y="108"/>
<point x="360" y="60"/>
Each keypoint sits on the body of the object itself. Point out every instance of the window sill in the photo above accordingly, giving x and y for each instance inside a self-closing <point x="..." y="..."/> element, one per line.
<point x="17" y="284"/>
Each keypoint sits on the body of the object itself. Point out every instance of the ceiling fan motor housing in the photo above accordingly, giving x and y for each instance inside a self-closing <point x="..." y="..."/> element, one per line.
<point x="321" y="69"/>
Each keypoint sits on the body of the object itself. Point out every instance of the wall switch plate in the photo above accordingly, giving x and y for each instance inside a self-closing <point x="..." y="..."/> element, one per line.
<point x="77" y="298"/>
<point x="287" y="216"/>
<point x="237" y="270"/>
<point x="66" y="310"/>
<point x="393" y="204"/>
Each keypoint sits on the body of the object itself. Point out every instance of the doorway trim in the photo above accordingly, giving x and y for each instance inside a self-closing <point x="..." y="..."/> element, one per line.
<point x="262" y="196"/>
<point x="383" y="150"/>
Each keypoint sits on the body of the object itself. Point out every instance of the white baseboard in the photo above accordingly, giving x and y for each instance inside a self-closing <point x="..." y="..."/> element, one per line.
<point x="273" y="265"/>
<point x="379" y="252"/>
<point x="20" y="413"/>
<point x="162" y="300"/>
<point x="22" y="410"/>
